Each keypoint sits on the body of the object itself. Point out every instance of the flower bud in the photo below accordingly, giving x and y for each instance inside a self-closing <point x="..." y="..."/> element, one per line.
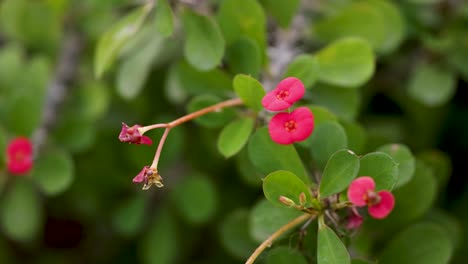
<point x="286" y="201"/>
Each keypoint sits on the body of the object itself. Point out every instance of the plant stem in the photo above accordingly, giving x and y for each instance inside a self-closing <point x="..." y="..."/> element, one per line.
<point x="160" y="146"/>
<point x="279" y="232"/>
<point x="209" y="109"/>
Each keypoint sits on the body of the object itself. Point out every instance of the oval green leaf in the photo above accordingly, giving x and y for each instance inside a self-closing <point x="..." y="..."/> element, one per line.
<point x="285" y="183"/>
<point x="424" y="243"/>
<point x="382" y="168"/>
<point x="249" y="90"/>
<point x="342" y="102"/>
<point x="346" y="62"/>
<point x="305" y="68"/>
<point x="234" y="136"/>
<point x="204" y="44"/>
<point x="326" y="139"/>
<point x="267" y="156"/>
<point x="285" y="255"/>
<point x="53" y="172"/>
<point x="432" y="85"/>
<point x="330" y="249"/>
<point x="195" y="198"/>
<point x="110" y="44"/>
<point x="164" y="18"/>
<point x="405" y="159"/>
<point x="282" y="11"/>
<point x="341" y="169"/>
<point x="356" y="134"/>
<point x="235" y="235"/>
<point x="243" y="56"/>
<point x="266" y="218"/>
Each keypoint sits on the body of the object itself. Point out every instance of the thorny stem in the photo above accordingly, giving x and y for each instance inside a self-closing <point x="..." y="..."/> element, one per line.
<point x="160" y="146"/>
<point x="267" y="243"/>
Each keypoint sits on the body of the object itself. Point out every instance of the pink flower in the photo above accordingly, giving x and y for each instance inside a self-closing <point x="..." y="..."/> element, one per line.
<point x="19" y="156"/>
<point x="287" y="128"/>
<point x="286" y="93"/>
<point x="149" y="176"/>
<point x="133" y="135"/>
<point x="354" y="220"/>
<point x="361" y="192"/>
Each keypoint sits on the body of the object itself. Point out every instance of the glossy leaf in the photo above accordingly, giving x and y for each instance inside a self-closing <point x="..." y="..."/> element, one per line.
<point x="20" y="212"/>
<point x="356" y="134"/>
<point x="249" y="90"/>
<point x="204" y="44"/>
<point x="326" y="139"/>
<point x="346" y="62"/>
<point x="164" y="19"/>
<point x="382" y="168"/>
<point x="215" y="119"/>
<point x="244" y="56"/>
<point x="234" y="136"/>
<point x="342" y="102"/>
<point x="305" y="68"/>
<point x="330" y="249"/>
<point x="321" y="114"/>
<point x="54" y="172"/>
<point x="405" y="159"/>
<point x="266" y="218"/>
<point x="419" y="244"/>
<point x="284" y="183"/>
<point x="285" y="255"/>
<point x="235" y="236"/>
<point x="114" y="39"/>
<point x="196" y="199"/>
<point x="341" y="169"/>
<point x="432" y="85"/>
<point x="267" y="156"/>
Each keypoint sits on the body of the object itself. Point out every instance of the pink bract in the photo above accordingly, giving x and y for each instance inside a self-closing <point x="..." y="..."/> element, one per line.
<point x="286" y="93"/>
<point x="132" y="135"/>
<point x="358" y="189"/>
<point x="19" y="156"/>
<point x="285" y="128"/>
<point x="354" y="220"/>
<point x="384" y="207"/>
<point x="141" y="176"/>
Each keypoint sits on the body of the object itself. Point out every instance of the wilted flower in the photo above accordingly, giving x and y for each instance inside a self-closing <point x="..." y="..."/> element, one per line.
<point x="286" y="93"/>
<point x="287" y="128"/>
<point x="133" y="135"/>
<point x="149" y="176"/>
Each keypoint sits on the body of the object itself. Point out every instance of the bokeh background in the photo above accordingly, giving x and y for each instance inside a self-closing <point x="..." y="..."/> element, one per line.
<point x="78" y="204"/>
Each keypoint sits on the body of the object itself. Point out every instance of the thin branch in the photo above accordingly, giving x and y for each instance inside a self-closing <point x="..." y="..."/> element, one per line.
<point x="269" y="241"/>
<point x="160" y="146"/>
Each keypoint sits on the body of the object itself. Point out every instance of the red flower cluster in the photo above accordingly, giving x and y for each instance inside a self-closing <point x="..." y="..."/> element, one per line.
<point x="362" y="192"/>
<point x="133" y="135"/>
<point x="19" y="156"/>
<point x="287" y="128"/>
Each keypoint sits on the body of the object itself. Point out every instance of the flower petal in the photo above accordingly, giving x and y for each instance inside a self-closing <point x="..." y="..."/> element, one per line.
<point x="358" y="190"/>
<point x="141" y="176"/>
<point x="304" y="123"/>
<point x="354" y="220"/>
<point x="277" y="130"/>
<point x="272" y="103"/>
<point x="382" y="209"/>
<point x="19" y="156"/>
<point x="146" y="140"/>
<point x="295" y="88"/>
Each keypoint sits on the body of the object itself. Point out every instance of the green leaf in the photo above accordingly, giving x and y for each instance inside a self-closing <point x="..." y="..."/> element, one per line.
<point x="346" y="62"/>
<point x="378" y="22"/>
<point x="305" y="68"/>
<point x="204" y="44"/>
<point x="357" y="136"/>
<point x="284" y="183"/>
<point x="215" y="119"/>
<point x="440" y="164"/>
<point x="382" y="168"/>
<point x="267" y="156"/>
<point x="110" y="44"/>
<point x="234" y="136"/>
<point x="266" y="218"/>
<point x="282" y="11"/>
<point x="321" y="114"/>
<point x="423" y="243"/>
<point x="195" y="198"/>
<point x="405" y="159"/>
<point x="160" y="243"/>
<point x="449" y="223"/>
<point x="342" y="102"/>
<point x="164" y="19"/>
<point x="330" y="249"/>
<point x="235" y="236"/>
<point x="20" y="212"/>
<point x="285" y="255"/>
<point x="326" y="139"/>
<point x="432" y="85"/>
<point x="129" y="215"/>
<point x="341" y="169"/>
<point x="243" y="56"/>
<point x="247" y="171"/>
<point x="249" y="90"/>
<point x="242" y="18"/>
<point x="53" y="172"/>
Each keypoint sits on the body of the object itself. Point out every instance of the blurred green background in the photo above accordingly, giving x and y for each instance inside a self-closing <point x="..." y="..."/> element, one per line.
<point x="78" y="205"/>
